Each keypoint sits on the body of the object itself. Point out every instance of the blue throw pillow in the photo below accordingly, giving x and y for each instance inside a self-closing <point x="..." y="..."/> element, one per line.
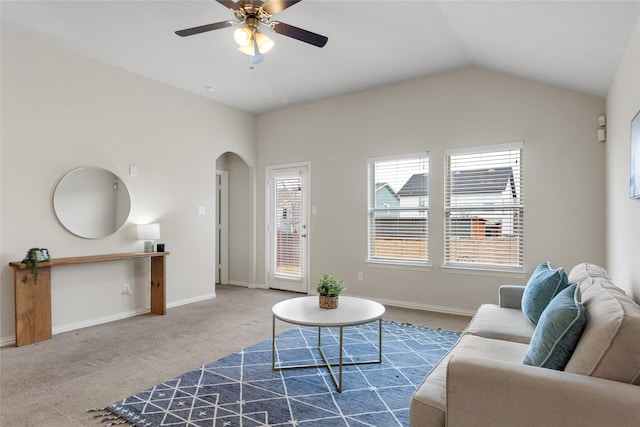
<point x="544" y="284"/>
<point x="557" y="332"/>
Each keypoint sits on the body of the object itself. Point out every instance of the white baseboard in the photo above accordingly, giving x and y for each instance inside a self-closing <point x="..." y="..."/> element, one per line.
<point x="238" y="283"/>
<point x="247" y="285"/>
<point x="395" y="303"/>
<point x="98" y="321"/>
<point x="8" y="341"/>
<point x="191" y="300"/>
<point x="426" y="307"/>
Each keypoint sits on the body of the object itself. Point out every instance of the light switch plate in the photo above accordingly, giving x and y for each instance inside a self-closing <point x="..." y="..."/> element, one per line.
<point x="602" y="120"/>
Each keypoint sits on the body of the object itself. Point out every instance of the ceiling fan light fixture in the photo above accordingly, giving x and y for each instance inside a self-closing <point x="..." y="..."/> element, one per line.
<point x="259" y="40"/>
<point x="264" y="43"/>
<point x="243" y="36"/>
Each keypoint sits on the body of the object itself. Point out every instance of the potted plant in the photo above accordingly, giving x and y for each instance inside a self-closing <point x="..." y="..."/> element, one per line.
<point x="33" y="257"/>
<point x="329" y="288"/>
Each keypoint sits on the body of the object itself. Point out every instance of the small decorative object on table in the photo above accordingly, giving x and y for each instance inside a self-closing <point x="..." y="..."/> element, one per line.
<point x="329" y="289"/>
<point x="33" y="257"/>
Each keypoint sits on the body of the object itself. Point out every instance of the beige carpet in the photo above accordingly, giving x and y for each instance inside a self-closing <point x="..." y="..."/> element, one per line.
<point x="54" y="382"/>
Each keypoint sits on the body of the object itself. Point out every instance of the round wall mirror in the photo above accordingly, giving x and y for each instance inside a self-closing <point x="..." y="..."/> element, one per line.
<point x="91" y="202"/>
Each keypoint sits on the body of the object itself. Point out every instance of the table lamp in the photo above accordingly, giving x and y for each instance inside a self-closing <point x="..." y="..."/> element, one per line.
<point x="148" y="233"/>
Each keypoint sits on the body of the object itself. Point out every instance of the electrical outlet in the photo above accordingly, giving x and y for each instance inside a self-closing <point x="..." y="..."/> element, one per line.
<point x="359" y="275"/>
<point x="126" y="288"/>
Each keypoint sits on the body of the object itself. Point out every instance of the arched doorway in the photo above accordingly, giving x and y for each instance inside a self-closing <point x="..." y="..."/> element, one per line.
<point x="234" y="209"/>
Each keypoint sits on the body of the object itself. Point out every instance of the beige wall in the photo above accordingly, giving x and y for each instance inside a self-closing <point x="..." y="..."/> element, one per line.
<point x="623" y="213"/>
<point x="564" y="169"/>
<point x="61" y="111"/>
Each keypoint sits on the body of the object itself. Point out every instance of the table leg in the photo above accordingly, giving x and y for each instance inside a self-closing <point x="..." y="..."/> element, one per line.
<point x="273" y="343"/>
<point x="32" y="306"/>
<point x="327" y="364"/>
<point x="379" y="340"/>
<point x="340" y="363"/>
<point x="158" y="288"/>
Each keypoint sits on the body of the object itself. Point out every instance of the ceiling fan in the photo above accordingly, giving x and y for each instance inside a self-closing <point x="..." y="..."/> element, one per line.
<point x="252" y="14"/>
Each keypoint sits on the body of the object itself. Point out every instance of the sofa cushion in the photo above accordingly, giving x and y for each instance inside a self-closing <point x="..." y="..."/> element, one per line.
<point x="427" y="407"/>
<point x="557" y="332"/>
<point x="586" y="274"/>
<point x="509" y="324"/>
<point x="608" y="347"/>
<point x="544" y="284"/>
<point x="587" y="271"/>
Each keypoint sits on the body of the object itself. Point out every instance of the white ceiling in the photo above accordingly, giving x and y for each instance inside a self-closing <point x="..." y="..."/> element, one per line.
<point x="572" y="44"/>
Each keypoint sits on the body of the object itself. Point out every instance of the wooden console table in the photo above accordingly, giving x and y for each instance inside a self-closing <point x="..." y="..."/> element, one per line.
<point x="33" y="300"/>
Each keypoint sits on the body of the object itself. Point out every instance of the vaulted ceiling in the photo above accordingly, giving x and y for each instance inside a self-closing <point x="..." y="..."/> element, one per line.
<point x="571" y="44"/>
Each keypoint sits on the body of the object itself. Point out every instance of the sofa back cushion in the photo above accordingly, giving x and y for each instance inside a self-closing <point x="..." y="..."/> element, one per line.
<point x="587" y="274"/>
<point x="610" y="342"/>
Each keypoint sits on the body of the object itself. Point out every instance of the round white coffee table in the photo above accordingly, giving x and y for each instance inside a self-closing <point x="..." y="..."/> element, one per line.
<point x="305" y="311"/>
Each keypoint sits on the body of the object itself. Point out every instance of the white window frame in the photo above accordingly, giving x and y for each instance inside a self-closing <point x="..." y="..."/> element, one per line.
<point x="515" y="206"/>
<point x="423" y="207"/>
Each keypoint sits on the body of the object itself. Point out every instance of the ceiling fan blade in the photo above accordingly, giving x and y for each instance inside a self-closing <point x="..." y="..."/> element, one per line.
<point x="299" y="34"/>
<point x="229" y="4"/>
<point x="276" y="6"/>
<point x="205" y="28"/>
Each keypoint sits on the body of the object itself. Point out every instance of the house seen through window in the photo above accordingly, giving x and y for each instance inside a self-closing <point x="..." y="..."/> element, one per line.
<point x="398" y="210"/>
<point x="484" y="208"/>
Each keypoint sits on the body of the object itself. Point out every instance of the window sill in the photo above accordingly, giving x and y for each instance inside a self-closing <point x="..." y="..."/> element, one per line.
<point x="399" y="266"/>
<point x="484" y="271"/>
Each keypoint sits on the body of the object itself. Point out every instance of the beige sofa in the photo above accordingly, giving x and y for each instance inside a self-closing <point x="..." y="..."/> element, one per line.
<point x="483" y="382"/>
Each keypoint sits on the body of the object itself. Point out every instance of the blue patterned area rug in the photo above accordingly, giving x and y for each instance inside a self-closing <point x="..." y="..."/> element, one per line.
<point x="242" y="390"/>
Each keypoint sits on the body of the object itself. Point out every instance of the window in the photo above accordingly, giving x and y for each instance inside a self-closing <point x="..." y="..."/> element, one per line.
<point x="398" y="211"/>
<point x="484" y="208"/>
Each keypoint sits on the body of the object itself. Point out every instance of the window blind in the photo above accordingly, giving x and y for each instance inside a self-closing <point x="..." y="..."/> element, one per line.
<point x="484" y="207"/>
<point x="398" y="209"/>
<point x="287" y="208"/>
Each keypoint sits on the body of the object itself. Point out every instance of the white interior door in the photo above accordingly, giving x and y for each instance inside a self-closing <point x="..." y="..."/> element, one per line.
<point x="287" y="230"/>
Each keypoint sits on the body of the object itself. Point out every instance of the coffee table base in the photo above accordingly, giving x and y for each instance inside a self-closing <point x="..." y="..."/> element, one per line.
<point x="336" y="381"/>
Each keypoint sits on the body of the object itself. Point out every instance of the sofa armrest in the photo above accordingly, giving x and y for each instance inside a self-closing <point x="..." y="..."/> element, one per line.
<point x="482" y="392"/>
<point x="510" y="296"/>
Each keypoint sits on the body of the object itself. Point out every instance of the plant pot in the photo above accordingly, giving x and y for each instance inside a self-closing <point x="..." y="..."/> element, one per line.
<point x="42" y="255"/>
<point x="328" y="302"/>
